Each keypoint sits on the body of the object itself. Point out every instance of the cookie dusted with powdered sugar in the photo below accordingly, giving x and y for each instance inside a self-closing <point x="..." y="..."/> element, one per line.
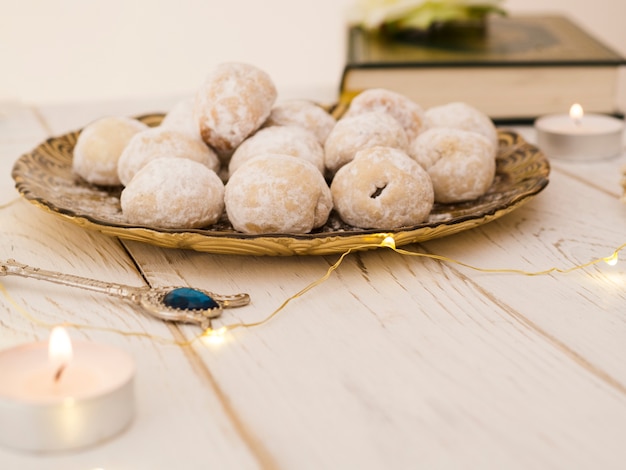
<point x="161" y="142"/>
<point x="353" y="133"/>
<point x="286" y="140"/>
<point x="99" y="147"/>
<point x="234" y="101"/>
<point x="460" y="115"/>
<point x="382" y="188"/>
<point x="173" y="193"/>
<point x="409" y="114"/>
<point x="460" y="163"/>
<point x="302" y="113"/>
<point x="277" y="194"/>
<point x="180" y="118"/>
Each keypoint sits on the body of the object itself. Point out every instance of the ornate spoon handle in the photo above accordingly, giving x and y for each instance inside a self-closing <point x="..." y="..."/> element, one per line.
<point x="180" y="304"/>
<point x="12" y="267"/>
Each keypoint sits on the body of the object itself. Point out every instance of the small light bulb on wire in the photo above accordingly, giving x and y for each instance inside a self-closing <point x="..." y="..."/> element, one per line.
<point x="389" y="242"/>
<point x="212" y="336"/>
<point x="612" y="260"/>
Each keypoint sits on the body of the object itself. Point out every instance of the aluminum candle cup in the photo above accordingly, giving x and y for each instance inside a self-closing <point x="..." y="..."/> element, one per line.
<point x="579" y="138"/>
<point x="47" y="408"/>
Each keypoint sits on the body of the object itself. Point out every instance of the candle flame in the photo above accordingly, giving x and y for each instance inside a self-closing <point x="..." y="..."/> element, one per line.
<point x="576" y="113"/>
<point x="59" y="351"/>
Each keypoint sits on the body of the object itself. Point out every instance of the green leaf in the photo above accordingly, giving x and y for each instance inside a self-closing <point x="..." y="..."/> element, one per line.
<point x="432" y="12"/>
<point x="398" y="14"/>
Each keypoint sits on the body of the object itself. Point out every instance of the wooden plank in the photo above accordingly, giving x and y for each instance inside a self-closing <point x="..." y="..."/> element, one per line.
<point x="569" y="224"/>
<point x="396" y="362"/>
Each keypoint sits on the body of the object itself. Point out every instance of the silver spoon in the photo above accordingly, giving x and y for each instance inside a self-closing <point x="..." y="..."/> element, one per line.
<point x="178" y="304"/>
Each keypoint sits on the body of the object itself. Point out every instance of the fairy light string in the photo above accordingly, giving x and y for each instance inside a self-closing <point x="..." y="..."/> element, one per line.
<point x="216" y="335"/>
<point x="610" y="260"/>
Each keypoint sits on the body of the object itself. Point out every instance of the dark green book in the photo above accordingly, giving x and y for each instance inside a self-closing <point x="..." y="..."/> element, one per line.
<point x="517" y="67"/>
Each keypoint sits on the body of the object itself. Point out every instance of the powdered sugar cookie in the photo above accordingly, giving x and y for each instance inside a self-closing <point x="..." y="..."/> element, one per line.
<point x="409" y="114"/>
<point x="382" y="188"/>
<point x="99" y="146"/>
<point x="161" y="142"/>
<point x="353" y="133"/>
<point x="302" y="113"/>
<point x="155" y="197"/>
<point x="287" y="140"/>
<point x="234" y="101"/>
<point x="460" y="163"/>
<point x="460" y="115"/>
<point x="180" y="118"/>
<point x="274" y="193"/>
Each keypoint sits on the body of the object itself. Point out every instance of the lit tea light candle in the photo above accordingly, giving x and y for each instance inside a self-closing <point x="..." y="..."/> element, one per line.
<point x="59" y="396"/>
<point x="579" y="136"/>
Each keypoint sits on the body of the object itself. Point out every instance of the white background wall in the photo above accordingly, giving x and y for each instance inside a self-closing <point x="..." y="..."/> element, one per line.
<point x="72" y="50"/>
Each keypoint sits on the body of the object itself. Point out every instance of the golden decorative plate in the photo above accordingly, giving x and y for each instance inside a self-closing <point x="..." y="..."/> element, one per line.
<point x="45" y="178"/>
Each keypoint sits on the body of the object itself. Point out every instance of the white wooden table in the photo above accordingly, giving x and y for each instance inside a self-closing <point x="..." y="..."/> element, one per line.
<point x="394" y="362"/>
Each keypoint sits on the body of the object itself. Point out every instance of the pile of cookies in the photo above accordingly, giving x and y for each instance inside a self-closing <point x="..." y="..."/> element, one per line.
<point x="283" y="167"/>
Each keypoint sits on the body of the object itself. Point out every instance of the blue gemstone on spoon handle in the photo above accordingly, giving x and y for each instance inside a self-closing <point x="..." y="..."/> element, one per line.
<point x="185" y="298"/>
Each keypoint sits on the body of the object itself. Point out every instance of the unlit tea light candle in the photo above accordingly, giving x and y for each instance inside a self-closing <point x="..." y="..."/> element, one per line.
<point x="59" y="396"/>
<point x="579" y="136"/>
